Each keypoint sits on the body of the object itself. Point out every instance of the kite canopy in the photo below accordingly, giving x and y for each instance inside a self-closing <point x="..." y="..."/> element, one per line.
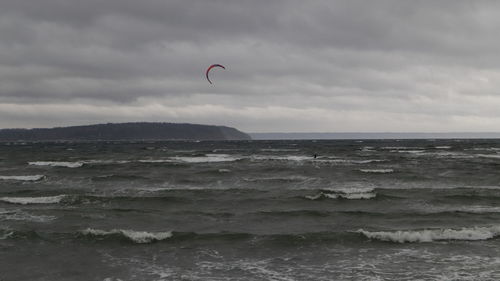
<point x="210" y="67"/>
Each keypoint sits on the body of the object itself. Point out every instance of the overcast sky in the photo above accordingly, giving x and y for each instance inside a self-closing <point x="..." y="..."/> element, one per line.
<point x="291" y="66"/>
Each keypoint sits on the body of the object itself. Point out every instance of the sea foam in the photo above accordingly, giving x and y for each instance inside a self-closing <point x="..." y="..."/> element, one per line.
<point x="492" y="156"/>
<point x="474" y="209"/>
<point x="349" y="161"/>
<point x="156" y="161"/>
<point x="430" y="235"/>
<point x="135" y="236"/>
<point x="353" y="196"/>
<point x="57" y="164"/>
<point x="23" y="178"/>
<point x="278" y="178"/>
<point x="377" y="171"/>
<point x="297" y="158"/>
<point x="33" y="200"/>
<point x="345" y="193"/>
<point x="208" y="158"/>
<point x="279" y="149"/>
<point x="18" y="215"/>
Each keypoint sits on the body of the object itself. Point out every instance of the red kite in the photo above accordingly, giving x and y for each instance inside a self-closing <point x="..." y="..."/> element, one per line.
<point x="210" y="67"/>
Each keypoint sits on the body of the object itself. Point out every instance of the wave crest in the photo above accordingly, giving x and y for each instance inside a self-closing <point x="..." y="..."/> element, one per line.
<point x="141" y="237"/>
<point x="430" y="235"/>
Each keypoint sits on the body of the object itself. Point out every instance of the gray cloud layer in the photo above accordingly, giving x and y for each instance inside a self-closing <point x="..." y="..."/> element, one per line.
<point x="292" y="65"/>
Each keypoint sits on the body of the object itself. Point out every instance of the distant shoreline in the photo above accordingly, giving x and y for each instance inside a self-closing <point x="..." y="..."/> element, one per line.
<point x="125" y="131"/>
<point x="373" y="135"/>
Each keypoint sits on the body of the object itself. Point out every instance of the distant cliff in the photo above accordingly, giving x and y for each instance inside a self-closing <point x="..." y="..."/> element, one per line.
<point x="126" y="131"/>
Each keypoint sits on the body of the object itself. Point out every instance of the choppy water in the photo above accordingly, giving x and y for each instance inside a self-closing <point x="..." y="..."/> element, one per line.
<point x="250" y="210"/>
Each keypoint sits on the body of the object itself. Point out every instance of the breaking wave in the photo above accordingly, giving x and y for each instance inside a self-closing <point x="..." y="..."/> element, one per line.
<point x="141" y="237"/>
<point x="430" y="235"/>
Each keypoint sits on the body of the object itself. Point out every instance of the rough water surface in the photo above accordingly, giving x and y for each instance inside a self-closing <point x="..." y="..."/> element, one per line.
<point x="250" y="210"/>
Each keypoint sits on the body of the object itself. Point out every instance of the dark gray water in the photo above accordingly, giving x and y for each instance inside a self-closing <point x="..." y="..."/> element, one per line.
<point x="250" y="210"/>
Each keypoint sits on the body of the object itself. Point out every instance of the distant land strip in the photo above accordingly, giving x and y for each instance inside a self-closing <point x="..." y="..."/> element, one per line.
<point x="126" y="131"/>
<point x="374" y="135"/>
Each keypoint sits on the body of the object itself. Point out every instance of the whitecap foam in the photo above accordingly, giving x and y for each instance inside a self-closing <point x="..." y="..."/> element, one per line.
<point x="156" y="161"/>
<point x="348" y="196"/>
<point x="430" y="235"/>
<point x="263" y="269"/>
<point x="448" y="154"/>
<point x="135" y="236"/>
<point x="33" y="200"/>
<point x="402" y="148"/>
<point x="415" y="151"/>
<point x="442" y="147"/>
<point x="296" y="158"/>
<point x="23" y="178"/>
<point x="57" y="164"/>
<point x="319" y="160"/>
<point x="285" y="178"/>
<point x="355" y="196"/>
<point x="105" y="162"/>
<point x="18" y="215"/>
<point x="377" y="171"/>
<point x="485" y="148"/>
<point x="224" y="170"/>
<point x="315" y="197"/>
<point x="368" y="161"/>
<point x="479" y="209"/>
<point x="6" y="234"/>
<point x="349" y="161"/>
<point x="279" y="149"/>
<point x="208" y="158"/>
<point x="492" y="156"/>
<point x="474" y="209"/>
<point x="350" y="189"/>
<point x="78" y="164"/>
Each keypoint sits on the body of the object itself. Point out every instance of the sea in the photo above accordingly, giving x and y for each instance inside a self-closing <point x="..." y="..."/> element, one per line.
<point x="424" y="209"/>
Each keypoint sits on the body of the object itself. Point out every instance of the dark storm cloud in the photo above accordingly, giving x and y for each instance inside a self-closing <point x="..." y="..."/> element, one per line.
<point x="373" y="64"/>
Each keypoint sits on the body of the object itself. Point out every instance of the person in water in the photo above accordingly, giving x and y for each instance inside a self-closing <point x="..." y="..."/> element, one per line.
<point x="315" y="155"/>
